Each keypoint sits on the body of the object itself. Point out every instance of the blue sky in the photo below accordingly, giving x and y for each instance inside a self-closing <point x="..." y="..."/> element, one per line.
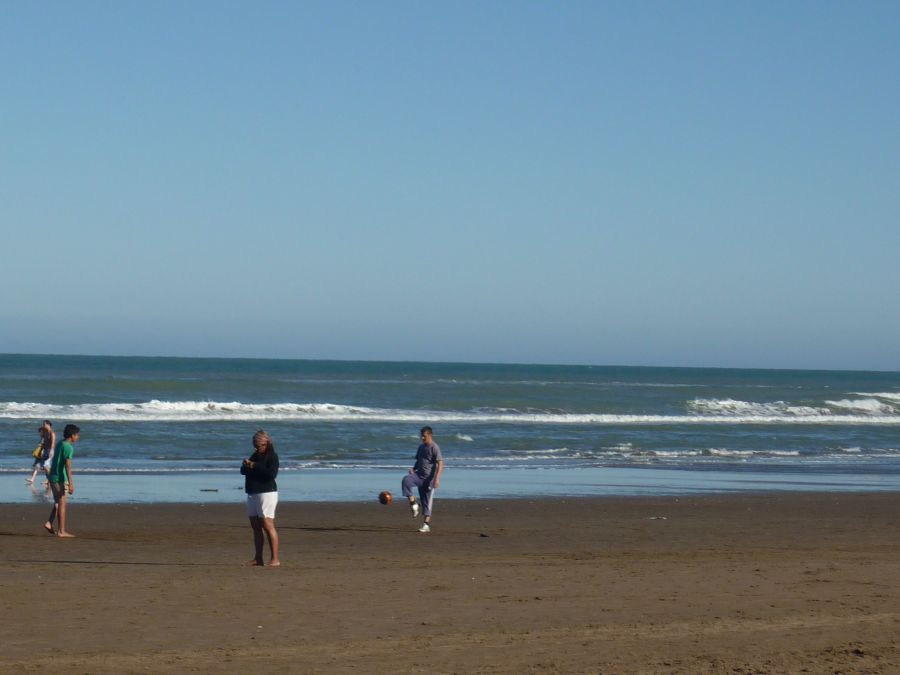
<point x="695" y="183"/>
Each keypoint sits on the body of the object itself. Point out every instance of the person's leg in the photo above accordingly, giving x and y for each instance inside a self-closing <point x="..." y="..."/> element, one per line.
<point x="427" y="502"/>
<point x="268" y="525"/>
<point x="268" y="502"/>
<point x="34" y="471"/>
<point x="411" y="481"/>
<point x="62" y="512"/>
<point x="49" y="524"/>
<point x="407" y="485"/>
<point x="426" y="494"/>
<point x="254" y="514"/>
<point x="256" y="524"/>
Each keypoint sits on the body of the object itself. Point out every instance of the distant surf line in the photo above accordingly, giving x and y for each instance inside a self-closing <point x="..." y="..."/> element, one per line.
<point x="206" y="411"/>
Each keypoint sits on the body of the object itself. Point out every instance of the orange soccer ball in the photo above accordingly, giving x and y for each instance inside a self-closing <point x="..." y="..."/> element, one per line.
<point x="385" y="497"/>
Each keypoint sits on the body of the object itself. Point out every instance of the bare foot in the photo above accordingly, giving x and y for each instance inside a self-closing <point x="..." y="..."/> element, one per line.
<point x="253" y="563"/>
<point x="29" y="480"/>
<point x="65" y="535"/>
<point x="273" y="563"/>
<point x="49" y="527"/>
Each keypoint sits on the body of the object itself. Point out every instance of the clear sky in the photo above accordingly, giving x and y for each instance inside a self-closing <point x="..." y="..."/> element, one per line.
<point x="644" y="183"/>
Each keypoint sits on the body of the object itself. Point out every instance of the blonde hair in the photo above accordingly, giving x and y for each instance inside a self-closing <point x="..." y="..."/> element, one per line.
<point x="262" y="438"/>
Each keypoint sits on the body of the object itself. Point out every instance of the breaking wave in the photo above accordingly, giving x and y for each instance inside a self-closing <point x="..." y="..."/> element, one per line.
<point x="831" y="410"/>
<point x="701" y="411"/>
<point x="869" y="406"/>
<point x="887" y="396"/>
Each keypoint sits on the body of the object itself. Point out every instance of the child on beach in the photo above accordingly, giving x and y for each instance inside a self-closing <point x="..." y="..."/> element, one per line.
<point x="425" y="476"/>
<point x="62" y="480"/>
<point x="48" y="442"/>
<point x="259" y="473"/>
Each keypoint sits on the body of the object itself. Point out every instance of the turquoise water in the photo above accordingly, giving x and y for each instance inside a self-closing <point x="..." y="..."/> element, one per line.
<point x="517" y="429"/>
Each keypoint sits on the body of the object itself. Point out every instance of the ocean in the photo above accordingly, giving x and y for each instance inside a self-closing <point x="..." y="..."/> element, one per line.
<point x="175" y="429"/>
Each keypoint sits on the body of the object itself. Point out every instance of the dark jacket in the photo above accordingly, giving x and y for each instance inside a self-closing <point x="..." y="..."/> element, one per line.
<point x="261" y="478"/>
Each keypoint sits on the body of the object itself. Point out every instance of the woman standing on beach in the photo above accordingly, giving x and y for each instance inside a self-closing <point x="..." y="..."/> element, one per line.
<point x="48" y="442"/>
<point x="259" y="473"/>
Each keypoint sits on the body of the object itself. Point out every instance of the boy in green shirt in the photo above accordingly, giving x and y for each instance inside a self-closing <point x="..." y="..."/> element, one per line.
<point x="61" y="479"/>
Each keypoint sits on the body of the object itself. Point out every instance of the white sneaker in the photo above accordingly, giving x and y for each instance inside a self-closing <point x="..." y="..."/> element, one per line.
<point x="414" y="507"/>
<point x="425" y="529"/>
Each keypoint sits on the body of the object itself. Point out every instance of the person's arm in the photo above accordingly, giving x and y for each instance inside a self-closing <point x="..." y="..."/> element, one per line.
<point x="267" y="469"/>
<point x="248" y="464"/>
<point x="264" y="469"/>
<point x="276" y="464"/>
<point x="69" y="475"/>
<point x="52" y="440"/>
<point x="436" y="483"/>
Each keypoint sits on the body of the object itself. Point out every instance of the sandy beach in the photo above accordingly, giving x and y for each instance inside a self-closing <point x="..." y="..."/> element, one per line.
<point x="749" y="583"/>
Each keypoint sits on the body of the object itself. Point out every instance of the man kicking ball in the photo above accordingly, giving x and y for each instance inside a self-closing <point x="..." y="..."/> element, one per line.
<point x="426" y="476"/>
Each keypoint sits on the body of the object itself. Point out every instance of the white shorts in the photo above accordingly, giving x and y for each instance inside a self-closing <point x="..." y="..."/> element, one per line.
<point x="262" y="505"/>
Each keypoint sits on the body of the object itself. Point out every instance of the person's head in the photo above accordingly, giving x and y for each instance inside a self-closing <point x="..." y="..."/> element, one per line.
<point x="425" y="434"/>
<point x="262" y="441"/>
<point x="71" y="432"/>
<point x="48" y="425"/>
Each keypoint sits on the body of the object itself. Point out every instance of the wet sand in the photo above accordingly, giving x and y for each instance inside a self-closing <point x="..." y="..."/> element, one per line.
<point x="750" y="583"/>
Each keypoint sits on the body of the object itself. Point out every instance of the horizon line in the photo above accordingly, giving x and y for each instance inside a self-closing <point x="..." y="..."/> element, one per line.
<point x="458" y="363"/>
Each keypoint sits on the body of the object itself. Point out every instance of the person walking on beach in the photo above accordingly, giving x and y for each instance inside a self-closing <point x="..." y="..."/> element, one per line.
<point x="62" y="480"/>
<point x="48" y="443"/>
<point x="425" y="476"/>
<point x="259" y="473"/>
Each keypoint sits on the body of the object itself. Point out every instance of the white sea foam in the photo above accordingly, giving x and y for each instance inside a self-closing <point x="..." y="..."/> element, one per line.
<point x="186" y="411"/>
<point x="708" y="411"/>
<point x="885" y="452"/>
<point x="866" y="406"/>
<point x="465" y="437"/>
<point x="870" y="406"/>
<point x="725" y="452"/>
<point x="730" y="406"/>
<point x="671" y="454"/>
<point x="888" y="396"/>
<point x="544" y="451"/>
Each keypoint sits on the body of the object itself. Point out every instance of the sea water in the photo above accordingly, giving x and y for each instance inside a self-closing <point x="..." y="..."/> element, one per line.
<point x="171" y="429"/>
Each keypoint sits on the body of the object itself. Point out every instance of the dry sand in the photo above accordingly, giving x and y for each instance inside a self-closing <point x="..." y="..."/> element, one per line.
<point x="760" y="583"/>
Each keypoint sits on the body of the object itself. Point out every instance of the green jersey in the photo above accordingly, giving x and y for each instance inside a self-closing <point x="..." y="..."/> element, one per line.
<point x="64" y="451"/>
